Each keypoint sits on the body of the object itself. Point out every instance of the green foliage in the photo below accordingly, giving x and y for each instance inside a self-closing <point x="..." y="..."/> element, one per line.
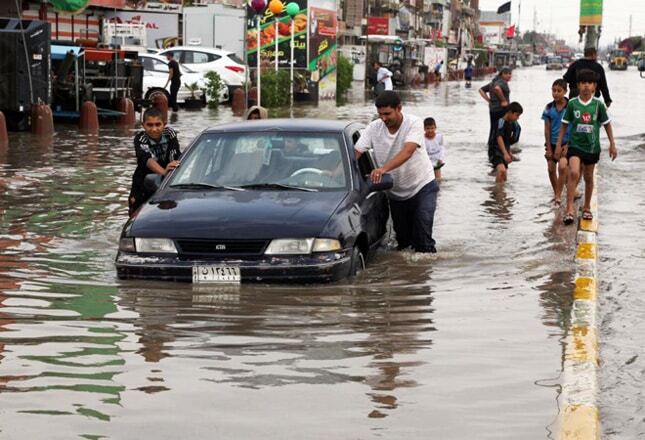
<point x="193" y="88"/>
<point x="276" y="87"/>
<point x="344" y="76"/>
<point x="213" y="84"/>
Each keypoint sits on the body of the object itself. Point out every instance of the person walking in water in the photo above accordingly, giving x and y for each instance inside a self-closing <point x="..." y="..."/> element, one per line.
<point x="585" y="113"/>
<point x="497" y="93"/>
<point x="383" y="79"/>
<point x="552" y="117"/>
<point x="588" y="62"/>
<point x="398" y="143"/>
<point x="507" y="133"/>
<point x="437" y="70"/>
<point x="174" y="79"/>
<point x="435" y="146"/>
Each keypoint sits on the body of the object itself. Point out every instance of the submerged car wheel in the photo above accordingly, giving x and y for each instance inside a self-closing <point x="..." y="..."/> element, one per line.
<point x="358" y="262"/>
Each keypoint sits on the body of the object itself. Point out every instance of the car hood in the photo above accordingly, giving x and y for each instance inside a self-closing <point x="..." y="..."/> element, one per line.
<point x="236" y="214"/>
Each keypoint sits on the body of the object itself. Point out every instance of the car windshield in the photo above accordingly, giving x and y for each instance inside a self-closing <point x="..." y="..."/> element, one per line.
<point x="265" y="161"/>
<point x="555" y="60"/>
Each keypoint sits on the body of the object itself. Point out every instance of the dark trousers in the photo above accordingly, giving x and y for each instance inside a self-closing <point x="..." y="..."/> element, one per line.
<point x="174" y="89"/>
<point x="495" y="116"/>
<point x="413" y="219"/>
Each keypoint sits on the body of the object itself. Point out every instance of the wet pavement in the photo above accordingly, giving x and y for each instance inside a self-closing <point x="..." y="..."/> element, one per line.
<point x="465" y="344"/>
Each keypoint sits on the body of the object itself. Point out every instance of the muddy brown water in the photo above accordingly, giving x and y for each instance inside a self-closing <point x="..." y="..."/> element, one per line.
<point x="462" y="345"/>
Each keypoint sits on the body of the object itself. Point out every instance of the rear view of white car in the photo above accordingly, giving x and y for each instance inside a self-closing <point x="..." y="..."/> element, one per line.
<point x="229" y="66"/>
<point x="155" y="76"/>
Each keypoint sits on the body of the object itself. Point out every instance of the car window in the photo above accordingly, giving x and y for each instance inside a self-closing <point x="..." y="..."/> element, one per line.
<point x="366" y="162"/>
<point x="159" y="66"/>
<point x="147" y="63"/>
<point x="315" y="161"/>
<point x="235" y="58"/>
<point x="191" y="57"/>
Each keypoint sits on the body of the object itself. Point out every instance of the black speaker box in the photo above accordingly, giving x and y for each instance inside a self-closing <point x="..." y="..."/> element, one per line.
<point x="24" y="50"/>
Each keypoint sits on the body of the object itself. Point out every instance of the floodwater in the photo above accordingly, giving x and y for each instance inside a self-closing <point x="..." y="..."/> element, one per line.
<point x="466" y="344"/>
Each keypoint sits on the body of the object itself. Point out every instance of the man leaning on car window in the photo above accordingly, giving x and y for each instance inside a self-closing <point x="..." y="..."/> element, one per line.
<point x="397" y="141"/>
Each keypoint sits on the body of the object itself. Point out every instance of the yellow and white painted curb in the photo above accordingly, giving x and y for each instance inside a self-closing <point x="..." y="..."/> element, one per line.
<point x="579" y="416"/>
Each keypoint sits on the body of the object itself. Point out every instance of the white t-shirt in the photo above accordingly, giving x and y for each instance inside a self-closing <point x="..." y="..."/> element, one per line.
<point x="385" y="76"/>
<point x="436" y="149"/>
<point x="413" y="175"/>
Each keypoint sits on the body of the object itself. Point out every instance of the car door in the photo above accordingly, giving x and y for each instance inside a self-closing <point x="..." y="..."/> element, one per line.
<point x="374" y="207"/>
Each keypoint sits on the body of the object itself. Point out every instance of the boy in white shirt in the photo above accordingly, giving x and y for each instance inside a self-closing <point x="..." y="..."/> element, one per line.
<point x="434" y="146"/>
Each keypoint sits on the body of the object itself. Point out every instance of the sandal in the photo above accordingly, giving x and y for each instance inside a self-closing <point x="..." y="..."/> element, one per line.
<point x="568" y="219"/>
<point x="587" y="215"/>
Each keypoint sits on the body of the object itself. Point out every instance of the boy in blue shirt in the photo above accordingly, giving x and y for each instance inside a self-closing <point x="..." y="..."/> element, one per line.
<point x="552" y="117"/>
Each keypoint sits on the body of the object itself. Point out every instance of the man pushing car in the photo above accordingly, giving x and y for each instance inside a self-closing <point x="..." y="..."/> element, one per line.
<point x="397" y="139"/>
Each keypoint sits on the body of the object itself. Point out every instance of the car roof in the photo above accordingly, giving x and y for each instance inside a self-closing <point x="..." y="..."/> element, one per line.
<point x="288" y="125"/>
<point x="200" y="49"/>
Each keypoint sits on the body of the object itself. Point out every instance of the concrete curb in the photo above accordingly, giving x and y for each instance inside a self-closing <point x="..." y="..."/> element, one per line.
<point x="579" y="415"/>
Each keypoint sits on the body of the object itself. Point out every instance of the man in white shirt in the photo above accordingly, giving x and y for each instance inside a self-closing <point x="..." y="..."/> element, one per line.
<point x="383" y="76"/>
<point x="398" y="143"/>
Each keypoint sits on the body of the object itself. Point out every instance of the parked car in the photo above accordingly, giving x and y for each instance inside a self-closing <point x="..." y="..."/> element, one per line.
<point x="270" y="200"/>
<point x="230" y="68"/>
<point x="554" y="63"/>
<point x="155" y="76"/>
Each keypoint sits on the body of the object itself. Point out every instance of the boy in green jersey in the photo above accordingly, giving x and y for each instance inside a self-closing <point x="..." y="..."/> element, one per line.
<point x="586" y="114"/>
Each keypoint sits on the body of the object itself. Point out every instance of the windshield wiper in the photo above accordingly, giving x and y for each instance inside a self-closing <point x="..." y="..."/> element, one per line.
<point x="196" y="185"/>
<point x="277" y="186"/>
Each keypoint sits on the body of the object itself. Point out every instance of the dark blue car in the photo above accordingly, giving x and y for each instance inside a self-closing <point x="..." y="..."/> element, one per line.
<point x="270" y="200"/>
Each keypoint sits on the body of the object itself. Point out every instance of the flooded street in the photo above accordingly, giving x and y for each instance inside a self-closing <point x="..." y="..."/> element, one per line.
<point x="464" y="344"/>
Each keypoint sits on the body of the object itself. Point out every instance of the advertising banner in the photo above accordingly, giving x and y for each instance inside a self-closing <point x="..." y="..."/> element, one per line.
<point x="268" y="37"/>
<point x="323" y="49"/>
<point x="158" y="26"/>
<point x="378" y="26"/>
<point x="590" y="12"/>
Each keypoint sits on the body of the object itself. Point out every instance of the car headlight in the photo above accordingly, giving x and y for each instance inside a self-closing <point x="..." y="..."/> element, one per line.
<point x="155" y="246"/>
<point x="290" y="246"/>
<point x="302" y="246"/>
<point x="326" y="245"/>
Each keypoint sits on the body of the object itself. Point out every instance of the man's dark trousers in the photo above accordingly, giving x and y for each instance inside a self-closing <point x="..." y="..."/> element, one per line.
<point x="174" y="89"/>
<point x="413" y="219"/>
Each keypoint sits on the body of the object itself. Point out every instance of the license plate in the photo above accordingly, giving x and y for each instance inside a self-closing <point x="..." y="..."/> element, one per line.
<point x="216" y="274"/>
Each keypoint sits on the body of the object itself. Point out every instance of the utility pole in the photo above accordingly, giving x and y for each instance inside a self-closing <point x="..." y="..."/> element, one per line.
<point x="630" y="26"/>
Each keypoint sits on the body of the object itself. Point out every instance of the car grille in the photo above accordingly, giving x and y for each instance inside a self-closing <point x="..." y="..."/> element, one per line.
<point x="221" y="247"/>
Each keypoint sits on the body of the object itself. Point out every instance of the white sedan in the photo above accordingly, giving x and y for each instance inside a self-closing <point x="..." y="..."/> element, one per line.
<point x="155" y="76"/>
<point x="230" y="68"/>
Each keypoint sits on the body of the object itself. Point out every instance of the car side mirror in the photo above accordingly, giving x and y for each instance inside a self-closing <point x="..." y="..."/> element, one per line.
<point x="387" y="182"/>
<point x="641" y="67"/>
<point x="152" y="182"/>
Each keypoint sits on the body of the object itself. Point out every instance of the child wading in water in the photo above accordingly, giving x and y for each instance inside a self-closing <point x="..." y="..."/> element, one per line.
<point x="552" y="117"/>
<point x="507" y="134"/>
<point x="585" y="114"/>
<point x="434" y="146"/>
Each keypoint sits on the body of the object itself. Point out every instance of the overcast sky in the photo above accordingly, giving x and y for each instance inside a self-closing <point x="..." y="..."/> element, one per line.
<point x="561" y="17"/>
